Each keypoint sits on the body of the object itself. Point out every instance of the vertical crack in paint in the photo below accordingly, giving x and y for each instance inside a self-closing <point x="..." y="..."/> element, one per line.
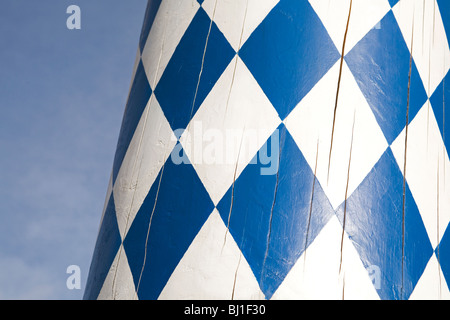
<point x="338" y="88"/>
<point x="346" y="193"/>
<point x="443" y="110"/>
<point x="235" y="276"/>
<point x="236" y="59"/>
<point x="141" y="138"/>
<point x="237" y="162"/>
<point x="311" y="204"/>
<point x="443" y="125"/>
<point x="270" y="220"/>
<point x="133" y="187"/>
<point x="438" y="174"/>
<point x="438" y="235"/>
<point x="343" y="288"/>
<point x="232" y="191"/>
<point x="428" y="89"/>
<point x="404" y="163"/>
<point x="434" y="21"/>
<point x="423" y="28"/>
<point x="148" y="231"/>
<point x="203" y="59"/>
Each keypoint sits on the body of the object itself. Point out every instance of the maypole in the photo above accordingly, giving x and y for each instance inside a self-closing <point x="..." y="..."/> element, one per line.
<point x="282" y="149"/>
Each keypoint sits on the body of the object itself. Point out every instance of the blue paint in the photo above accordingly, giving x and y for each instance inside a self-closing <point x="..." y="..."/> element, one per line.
<point x="182" y="207"/>
<point x="137" y="101"/>
<point x="267" y="216"/>
<point x="177" y="88"/>
<point x="437" y="102"/>
<point x="289" y="53"/>
<point x="150" y="15"/>
<point x="374" y="223"/>
<point x="393" y="2"/>
<point x="380" y="64"/>
<point x="444" y="8"/>
<point x="443" y="255"/>
<point x="106" y="248"/>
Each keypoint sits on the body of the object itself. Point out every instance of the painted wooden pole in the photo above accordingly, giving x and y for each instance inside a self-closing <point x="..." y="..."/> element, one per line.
<point x="282" y="149"/>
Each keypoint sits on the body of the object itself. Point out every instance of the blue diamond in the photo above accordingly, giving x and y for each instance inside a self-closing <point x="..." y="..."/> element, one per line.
<point x="289" y="53"/>
<point x="380" y="64"/>
<point x="188" y="78"/>
<point x="106" y="248"/>
<point x="177" y="206"/>
<point x="272" y="219"/>
<point x="374" y="223"/>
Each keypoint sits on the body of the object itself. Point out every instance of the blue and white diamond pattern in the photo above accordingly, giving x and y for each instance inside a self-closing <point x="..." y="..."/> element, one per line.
<point x="224" y="231"/>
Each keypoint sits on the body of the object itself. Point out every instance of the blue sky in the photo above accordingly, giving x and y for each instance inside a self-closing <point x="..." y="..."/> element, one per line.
<point x="62" y="97"/>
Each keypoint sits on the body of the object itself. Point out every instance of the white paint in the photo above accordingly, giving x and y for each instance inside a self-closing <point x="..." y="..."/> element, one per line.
<point x="212" y="268"/>
<point x="316" y="274"/>
<point x="364" y="16"/>
<point x="149" y="149"/>
<point x="311" y="122"/>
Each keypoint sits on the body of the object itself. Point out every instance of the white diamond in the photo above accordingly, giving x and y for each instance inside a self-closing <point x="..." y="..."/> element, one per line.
<point x="149" y="149"/>
<point x="311" y="125"/>
<point x="232" y="124"/>
<point x="318" y="274"/>
<point x="212" y="268"/>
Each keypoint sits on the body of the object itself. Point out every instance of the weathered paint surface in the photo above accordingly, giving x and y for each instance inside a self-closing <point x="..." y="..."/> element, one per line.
<point x="282" y="149"/>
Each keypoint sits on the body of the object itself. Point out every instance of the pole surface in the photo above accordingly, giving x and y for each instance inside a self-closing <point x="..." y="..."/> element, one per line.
<point x="282" y="149"/>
